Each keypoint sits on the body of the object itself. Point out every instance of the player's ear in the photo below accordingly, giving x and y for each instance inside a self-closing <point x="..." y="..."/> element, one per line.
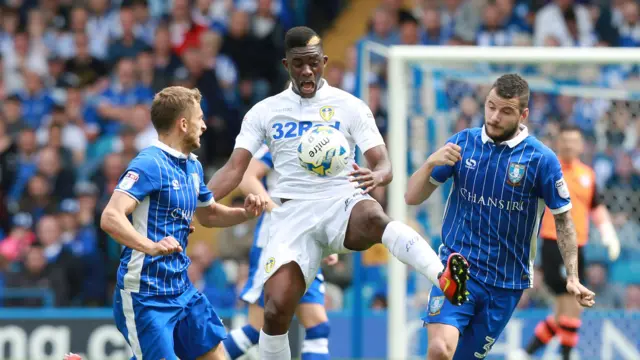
<point x="525" y="115"/>
<point x="325" y="58"/>
<point x="285" y="63"/>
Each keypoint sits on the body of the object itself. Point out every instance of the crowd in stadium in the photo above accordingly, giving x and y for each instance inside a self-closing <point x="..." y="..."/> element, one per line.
<point x="78" y="78"/>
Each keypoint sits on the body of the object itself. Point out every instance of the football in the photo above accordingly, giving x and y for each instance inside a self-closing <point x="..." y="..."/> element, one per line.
<point x="324" y="151"/>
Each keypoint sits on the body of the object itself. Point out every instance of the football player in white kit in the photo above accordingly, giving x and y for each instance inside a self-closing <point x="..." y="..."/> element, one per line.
<point x="317" y="215"/>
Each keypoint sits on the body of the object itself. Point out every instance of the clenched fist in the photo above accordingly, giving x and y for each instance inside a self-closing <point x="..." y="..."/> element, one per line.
<point x="166" y="246"/>
<point x="446" y="155"/>
<point x="254" y="205"/>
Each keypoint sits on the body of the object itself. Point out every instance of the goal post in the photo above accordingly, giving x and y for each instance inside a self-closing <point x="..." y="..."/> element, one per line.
<point x="414" y="78"/>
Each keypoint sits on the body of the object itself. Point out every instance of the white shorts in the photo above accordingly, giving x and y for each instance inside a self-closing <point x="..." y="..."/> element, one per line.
<point x="305" y="231"/>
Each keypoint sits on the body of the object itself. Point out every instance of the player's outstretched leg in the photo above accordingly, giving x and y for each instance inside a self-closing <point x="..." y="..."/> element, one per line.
<point x="241" y="340"/>
<point x="316" y="324"/>
<point x="369" y="225"/>
<point x="282" y="292"/>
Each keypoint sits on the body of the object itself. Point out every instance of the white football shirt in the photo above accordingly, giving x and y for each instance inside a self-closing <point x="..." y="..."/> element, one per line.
<point x="280" y="121"/>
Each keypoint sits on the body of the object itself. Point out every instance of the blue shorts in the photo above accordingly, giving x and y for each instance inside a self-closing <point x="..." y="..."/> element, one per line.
<point x="182" y="326"/>
<point x="480" y="320"/>
<point x="314" y="295"/>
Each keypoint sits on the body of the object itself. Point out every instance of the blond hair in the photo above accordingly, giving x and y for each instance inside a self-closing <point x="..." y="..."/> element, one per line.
<point x="171" y="104"/>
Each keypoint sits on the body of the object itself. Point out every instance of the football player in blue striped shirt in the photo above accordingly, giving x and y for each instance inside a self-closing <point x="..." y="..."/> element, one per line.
<point x="156" y="308"/>
<point x="502" y="179"/>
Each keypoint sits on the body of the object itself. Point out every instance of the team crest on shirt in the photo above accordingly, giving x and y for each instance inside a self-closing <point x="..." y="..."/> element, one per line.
<point x="327" y="112"/>
<point x="175" y="184"/>
<point x="516" y="173"/>
<point x="435" y="304"/>
<point x="196" y="182"/>
<point x="268" y="267"/>
<point x="128" y="180"/>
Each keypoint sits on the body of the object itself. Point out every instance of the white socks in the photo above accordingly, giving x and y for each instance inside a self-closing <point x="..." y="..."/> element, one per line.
<point x="274" y="347"/>
<point x="410" y="248"/>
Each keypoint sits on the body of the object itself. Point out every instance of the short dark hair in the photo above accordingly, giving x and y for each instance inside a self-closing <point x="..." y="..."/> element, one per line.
<point x="301" y="36"/>
<point x="172" y="103"/>
<point x="513" y="85"/>
<point x="569" y="128"/>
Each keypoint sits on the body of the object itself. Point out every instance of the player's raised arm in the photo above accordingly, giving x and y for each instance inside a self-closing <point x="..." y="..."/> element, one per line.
<point x="436" y="170"/>
<point x="133" y="187"/>
<point x="249" y="140"/>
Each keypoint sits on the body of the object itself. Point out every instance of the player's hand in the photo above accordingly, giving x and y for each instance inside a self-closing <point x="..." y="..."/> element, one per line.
<point x="166" y="246"/>
<point x="254" y="205"/>
<point x="446" y="155"/>
<point x="585" y="297"/>
<point x="366" y="179"/>
<point x="331" y="259"/>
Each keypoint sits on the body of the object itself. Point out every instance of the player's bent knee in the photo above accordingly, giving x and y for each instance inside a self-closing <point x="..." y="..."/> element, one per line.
<point x="276" y="314"/>
<point x="439" y="349"/>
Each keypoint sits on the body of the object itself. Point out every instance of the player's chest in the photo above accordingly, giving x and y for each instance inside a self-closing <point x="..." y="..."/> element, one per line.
<point x="178" y="192"/>
<point x="293" y="121"/>
<point x="499" y="171"/>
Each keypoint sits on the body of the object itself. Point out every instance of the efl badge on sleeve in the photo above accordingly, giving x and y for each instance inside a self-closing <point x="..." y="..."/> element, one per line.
<point x="327" y="112"/>
<point x="516" y="173"/>
<point x="563" y="189"/>
<point x="128" y="180"/>
<point x="435" y="304"/>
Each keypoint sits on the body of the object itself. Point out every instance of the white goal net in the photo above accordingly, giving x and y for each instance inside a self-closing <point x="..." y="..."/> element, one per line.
<point x="429" y="93"/>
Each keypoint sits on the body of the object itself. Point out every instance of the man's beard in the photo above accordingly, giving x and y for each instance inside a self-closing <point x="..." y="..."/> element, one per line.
<point x="506" y="135"/>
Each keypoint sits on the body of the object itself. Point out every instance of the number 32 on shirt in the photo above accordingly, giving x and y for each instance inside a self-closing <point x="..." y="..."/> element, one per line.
<point x="294" y="129"/>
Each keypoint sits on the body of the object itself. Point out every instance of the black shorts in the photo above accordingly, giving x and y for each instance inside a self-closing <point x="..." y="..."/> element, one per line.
<point x="555" y="274"/>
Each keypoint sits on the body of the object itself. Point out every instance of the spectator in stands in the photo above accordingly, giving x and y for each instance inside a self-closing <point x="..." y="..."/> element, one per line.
<point x="25" y="164"/>
<point x="59" y="257"/>
<point x="36" y="100"/>
<point x="433" y="33"/>
<point x="146" y="134"/>
<point x="382" y="28"/>
<point x="568" y="22"/>
<point x="610" y="296"/>
<point x="37" y="273"/>
<point x="72" y="137"/>
<point x="61" y="179"/>
<point x="87" y="69"/>
<point x="20" y="238"/>
<point x="145" y="24"/>
<point x="630" y="25"/>
<point x="38" y="199"/>
<point x="409" y="31"/>
<point x="128" y="45"/>
<point x="184" y="32"/>
<point x="165" y="61"/>
<point x="117" y="102"/>
<point x="493" y="30"/>
<point x="102" y="25"/>
<point x="12" y="116"/>
<point x="632" y="297"/>
<point x="108" y="176"/>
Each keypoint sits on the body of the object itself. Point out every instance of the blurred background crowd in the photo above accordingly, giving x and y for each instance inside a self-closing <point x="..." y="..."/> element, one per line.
<point x="77" y="79"/>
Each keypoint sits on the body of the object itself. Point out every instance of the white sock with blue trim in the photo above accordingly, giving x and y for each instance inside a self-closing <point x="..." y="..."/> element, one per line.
<point x="316" y="342"/>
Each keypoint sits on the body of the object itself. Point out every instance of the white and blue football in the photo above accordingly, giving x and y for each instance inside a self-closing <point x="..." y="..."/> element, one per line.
<point x="324" y="151"/>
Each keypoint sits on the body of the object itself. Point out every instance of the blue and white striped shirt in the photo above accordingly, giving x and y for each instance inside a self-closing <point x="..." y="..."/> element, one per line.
<point x="168" y="187"/>
<point x="497" y="200"/>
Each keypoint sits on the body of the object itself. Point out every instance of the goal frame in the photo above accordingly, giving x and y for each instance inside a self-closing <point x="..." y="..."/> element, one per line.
<point x="399" y="58"/>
